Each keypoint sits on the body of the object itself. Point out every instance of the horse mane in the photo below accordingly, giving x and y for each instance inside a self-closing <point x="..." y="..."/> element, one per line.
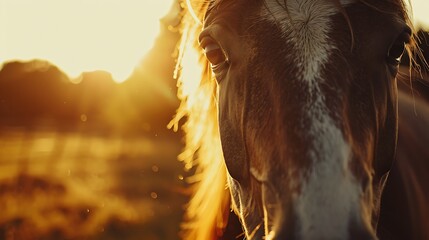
<point x="208" y="209"/>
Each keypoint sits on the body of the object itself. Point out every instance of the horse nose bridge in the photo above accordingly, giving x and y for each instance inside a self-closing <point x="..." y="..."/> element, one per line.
<point x="292" y="229"/>
<point x="363" y="235"/>
<point x="322" y="208"/>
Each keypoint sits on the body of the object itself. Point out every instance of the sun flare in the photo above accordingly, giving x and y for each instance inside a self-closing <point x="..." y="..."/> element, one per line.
<point x="89" y="35"/>
<point x="420" y="10"/>
<point x="80" y="35"/>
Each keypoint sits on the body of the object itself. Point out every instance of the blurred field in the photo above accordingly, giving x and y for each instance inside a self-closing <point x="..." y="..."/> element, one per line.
<point x="80" y="185"/>
<point x="88" y="158"/>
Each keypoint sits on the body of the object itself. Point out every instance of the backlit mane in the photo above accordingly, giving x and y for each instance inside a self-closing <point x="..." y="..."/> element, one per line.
<point x="209" y="207"/>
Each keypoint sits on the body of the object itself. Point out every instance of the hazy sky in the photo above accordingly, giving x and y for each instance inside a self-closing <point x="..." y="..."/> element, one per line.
<point x="421" y="12"/>
<point x="81" y="35"/>
<point x="87" y="35"/>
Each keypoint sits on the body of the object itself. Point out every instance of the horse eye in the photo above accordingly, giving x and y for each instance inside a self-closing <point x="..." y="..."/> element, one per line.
<point x="213" y="52"/>
<point x="396" y="52"/>
<point x="398" y="48"/>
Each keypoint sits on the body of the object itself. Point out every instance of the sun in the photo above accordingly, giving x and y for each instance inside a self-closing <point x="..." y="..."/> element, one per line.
<point x="81" y="35"/>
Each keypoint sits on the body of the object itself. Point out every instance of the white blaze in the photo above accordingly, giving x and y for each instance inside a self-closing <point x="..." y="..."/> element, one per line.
<point x="329" y="196"/>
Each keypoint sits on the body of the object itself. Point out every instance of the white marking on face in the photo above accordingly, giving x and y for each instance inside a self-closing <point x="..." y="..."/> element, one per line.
<point x="330" y="194"/>
<point x="308" y="32"/>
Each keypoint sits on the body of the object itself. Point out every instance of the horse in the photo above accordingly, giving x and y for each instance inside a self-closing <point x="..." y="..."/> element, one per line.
<point x="294" y="121"/>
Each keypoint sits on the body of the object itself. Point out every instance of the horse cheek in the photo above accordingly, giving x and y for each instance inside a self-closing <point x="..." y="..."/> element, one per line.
<point x="231" y="137"/>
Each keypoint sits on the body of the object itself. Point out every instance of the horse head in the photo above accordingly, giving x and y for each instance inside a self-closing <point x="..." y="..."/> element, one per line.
<point x="307" y="110"/>
<point x="306" y="102"/>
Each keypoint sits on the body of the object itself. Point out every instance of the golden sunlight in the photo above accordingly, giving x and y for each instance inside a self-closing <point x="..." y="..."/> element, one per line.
<point x="420" y="12"/>
<point x="80" y="35"/>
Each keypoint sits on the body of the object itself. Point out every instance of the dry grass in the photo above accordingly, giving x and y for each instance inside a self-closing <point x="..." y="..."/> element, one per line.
<point x="86" y="186"/>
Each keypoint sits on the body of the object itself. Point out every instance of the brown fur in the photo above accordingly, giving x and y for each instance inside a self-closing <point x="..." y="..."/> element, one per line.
<point x="209" y="208"/>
